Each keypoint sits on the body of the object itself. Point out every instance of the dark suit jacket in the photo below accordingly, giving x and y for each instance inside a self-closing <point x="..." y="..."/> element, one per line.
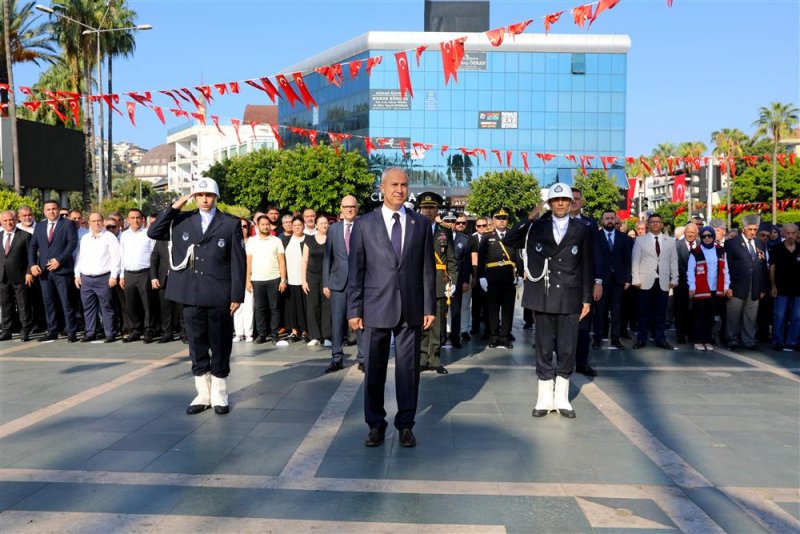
<point x="159" y="263"/>
<point x="65" y="241"/>
<point x="14" y="266"/>
<point x="463" y="258"/>
<point x="613" y="265"/>
<point x="217" y="275"/>
<point x="683" y="261"/>
<point x="571" y="264"/>
<point x="746" y="274"/>
<point x="382" y="290"/>
<point x="334" y="266"/>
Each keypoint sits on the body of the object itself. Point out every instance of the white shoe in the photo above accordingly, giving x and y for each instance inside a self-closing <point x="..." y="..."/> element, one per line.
<point x="327" y="343"/>
<point x="237" y="339"/>
<point x="282" y="343"/>
<point x="699" y="346"/>
<point x="544" y="402"/>
<point x="561" y="397"/>
<point x="219" y="394"/>
<point x="709" y="346"/>
<point x="313" y="343"/>
<point x="202" y="384"/>
<point x="249" y="339"/>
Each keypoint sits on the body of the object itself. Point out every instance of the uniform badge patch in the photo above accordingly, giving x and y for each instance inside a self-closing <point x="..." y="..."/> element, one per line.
<point x="538" y="247"/>
<point x="221" y="243"/>
<point x="185" y="236"/>
<point x="460" y="245"/>
<point x="574" y="249"/>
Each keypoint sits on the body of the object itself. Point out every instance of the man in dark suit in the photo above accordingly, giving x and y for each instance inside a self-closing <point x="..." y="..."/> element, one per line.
<point x="334" y="282"/>
<point x="747" y="265"/>
<point x="613" y="254"/>
<point x="14" y="277"/>
<point x="170" y="311"/>
<point x="391" y="291"/>
<point x="585" y="326"/>
<point x="464" y="262"/>
<point x="558" y="260"/>
<point x="207" y="275"/>
<point x="50" y="257"/>
<point x="683" y="310"/>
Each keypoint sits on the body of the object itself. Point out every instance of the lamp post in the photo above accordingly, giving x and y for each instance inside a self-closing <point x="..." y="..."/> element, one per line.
<point x="89" y="30"/>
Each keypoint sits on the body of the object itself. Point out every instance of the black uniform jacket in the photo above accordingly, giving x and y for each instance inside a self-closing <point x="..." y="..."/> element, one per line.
<point x="216" y="277"/>
<point x="571" y="264"/>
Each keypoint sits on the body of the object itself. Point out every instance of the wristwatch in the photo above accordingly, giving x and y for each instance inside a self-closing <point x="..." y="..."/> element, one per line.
<point x="598" y="281"/>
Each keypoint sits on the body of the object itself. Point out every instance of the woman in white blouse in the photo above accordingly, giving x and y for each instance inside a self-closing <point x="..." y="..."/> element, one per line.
<point x="295" y="297"/>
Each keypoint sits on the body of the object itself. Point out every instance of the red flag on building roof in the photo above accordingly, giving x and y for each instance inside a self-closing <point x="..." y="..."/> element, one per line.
<point x="581" y="14"/>
<point x="551" y="19"/>
<point x="545" y="157"/>
<point x="602" y="5"/>
<point x="200" y="118"/>
<point x="205" y="90"/>
<point x="235" y="123"/>
<point x="420" y="50"/>
<point x="355" y="66"/>
<point x="525" y="162"/>
<point x="308" y="100"/>
<point x="496" y="36"/>
<point x="287" y="89"/>
<point x="403" y="74"/>
<point x="216" y="123"/>
<point x="519" y="27"/>
<point x="372" y="62"/>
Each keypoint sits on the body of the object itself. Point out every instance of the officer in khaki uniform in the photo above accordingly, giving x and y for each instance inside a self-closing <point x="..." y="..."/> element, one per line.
<point x="446" y="275"/>
<point x="207" y="275"/>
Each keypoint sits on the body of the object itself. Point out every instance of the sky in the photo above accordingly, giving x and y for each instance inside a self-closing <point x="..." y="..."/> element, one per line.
<point x="696" y="67"/>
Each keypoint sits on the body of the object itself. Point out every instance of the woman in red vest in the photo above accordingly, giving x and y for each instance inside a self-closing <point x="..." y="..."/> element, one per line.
<point x="709" y="284"/>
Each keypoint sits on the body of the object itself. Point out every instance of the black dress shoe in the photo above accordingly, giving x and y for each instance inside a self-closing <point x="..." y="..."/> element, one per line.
<point x="441" y="370"/>
<point x="261" y="340"/>
<point x="147" y="340"/>
<point x="407" y="438"/>
<point x="5" y="336"/>
<point x="88" y="339"/>
<point x="48" y="337"/>
<point x="511" y="337"/>
<point x="734" y="346"/>
<point x="751" y="347"/>
<point x="664" y="345"/>
<point x="597" y="345"/>
<point x="539" y="413"/>
<point x="166" y="339"/>
<point x="184" y="340"/>
<point x="72" y="338"/>
<point x="617" y="344"/>
<point x="111" y="339"/>
<point x="131" y="338"/>
<point x="527" y="326"/>
<point x="25" y="336"/>
<point x="569" y="414"/>
<point x="197" y="408"/>
<point x="375" y="437"/>
<point x="221" y="410"/>
<point x="586" y="371"/>
<point x="361" y="367"/>
<point x="640" y="344"/>
<point x="333" y="367"/>
<point x="465" y="336"/>
<point x="350" y="343"/>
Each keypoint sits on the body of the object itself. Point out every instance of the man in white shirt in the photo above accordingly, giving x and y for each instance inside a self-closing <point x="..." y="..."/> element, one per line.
<point x="266" y="278"/>
<point x="96" y="273"/>
<point x="27" y="222"/>
<point x="310" y="221"/>
<point x="135" y="249"/>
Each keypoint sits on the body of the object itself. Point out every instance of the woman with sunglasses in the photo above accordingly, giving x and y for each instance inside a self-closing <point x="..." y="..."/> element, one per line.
<point x="709" y="283"/>
<point x="243" y="317"/>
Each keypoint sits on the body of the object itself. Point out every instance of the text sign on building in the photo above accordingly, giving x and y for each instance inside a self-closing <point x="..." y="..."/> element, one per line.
<point x="388" y="100"/>
<point x="392" y="143"/>
<point x="494" y="120"/>
<point x="474" y="61"/>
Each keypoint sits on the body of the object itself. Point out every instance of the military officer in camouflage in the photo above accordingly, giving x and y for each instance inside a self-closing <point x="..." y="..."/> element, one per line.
<point x="446" y="275"/>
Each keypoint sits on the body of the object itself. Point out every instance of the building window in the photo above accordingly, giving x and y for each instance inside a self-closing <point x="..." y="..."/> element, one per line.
<point x="578" y="63"/>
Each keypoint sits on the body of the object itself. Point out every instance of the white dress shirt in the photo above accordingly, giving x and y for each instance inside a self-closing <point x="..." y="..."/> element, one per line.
<point x="388" y="220"/>
<point x="135" y="249"/>
<point x="99" y="254"/>
<point x="560" y="225"/>
<point x="206" y="217"/>
<point x="28" y="229"/>
<point x="6" y="233"/>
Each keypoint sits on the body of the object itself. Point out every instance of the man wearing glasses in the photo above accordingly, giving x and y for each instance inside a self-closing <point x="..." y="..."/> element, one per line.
<point x="462" y="293"/>
<point x="479" y="315"/>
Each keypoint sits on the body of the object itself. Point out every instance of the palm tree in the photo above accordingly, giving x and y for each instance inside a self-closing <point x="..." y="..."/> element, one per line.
<point x="692" y="149"/>
<point x="30" y="39"/>
<point x="774" y="122"/>
<point x="664" y="151"/>
<point x="728" y="142"/>
<point x="56" y="78"/>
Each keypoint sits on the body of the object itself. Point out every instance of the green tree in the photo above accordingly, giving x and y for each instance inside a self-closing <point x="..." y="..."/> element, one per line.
<point x="244" y="180"/>
<point x="600" y="193"/>
<point x="754" y="184"/>
<point x="57" y="77"/>
<point x="773" y="122"/>
<point x="518" y="191"/>
<point x="10" y="200"/>
<point x="30" y="39"/>
<point x="318" y="178"/>
<point x="667" y="212"/>
<point x="665" y="150"/>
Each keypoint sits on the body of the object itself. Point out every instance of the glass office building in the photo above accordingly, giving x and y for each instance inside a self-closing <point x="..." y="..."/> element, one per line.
<point x="561" y="94"/>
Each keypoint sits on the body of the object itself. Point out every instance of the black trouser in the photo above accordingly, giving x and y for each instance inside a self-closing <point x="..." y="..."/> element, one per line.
<point x="705" y="311"/>
<point x="56" y="296"/>
<point x="527" y="316"/>
<point x="266" y="300"/>
<point x="210" y="333"/>
<point x="171" y="316"/>
<point x="455" y="314"/>
<point x="610" y="303"/>
<point x="500" y="301"/>
<point x="582" y="346"/>
<point x="480" y="312"/>
<point x="683" y="312"/>
<point x="137" y="301"/>
<point x="630" y="307"/>
<point x="11" y="296"/>
<point x="652" y="312"/>
<point x="318" y="311"/>
<point x="764" y="319"/>
<point x="560" y="330"/>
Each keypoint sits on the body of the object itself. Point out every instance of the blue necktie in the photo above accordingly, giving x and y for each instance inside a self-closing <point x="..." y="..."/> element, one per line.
<point x="397" y="237"/>
<point x="610" y="243"/>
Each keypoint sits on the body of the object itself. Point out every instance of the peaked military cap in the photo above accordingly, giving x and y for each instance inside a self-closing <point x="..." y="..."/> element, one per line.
<point x="430" y="199"/>
<point x="501" y="212"/>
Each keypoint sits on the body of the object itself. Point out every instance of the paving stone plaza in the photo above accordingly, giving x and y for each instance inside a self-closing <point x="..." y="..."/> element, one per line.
<point x="94" y="438"/>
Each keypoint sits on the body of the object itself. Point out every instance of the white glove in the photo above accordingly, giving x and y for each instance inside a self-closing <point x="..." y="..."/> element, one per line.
<point x="484" y="284"/>
<point x="449" y="290"/>
<point x="519" y="281"/>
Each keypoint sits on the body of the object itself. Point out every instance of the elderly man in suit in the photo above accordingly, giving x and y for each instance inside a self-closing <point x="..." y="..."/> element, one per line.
<point x="558" y="260"/>
<point x="613" y="253"/>
<point x="683" y="311"/>
<point x="654" y="271"/>
<point x="747" y="265"/>
<point x="391" y="290"/>
<point x="50" y="257"/>
<point x="334" y="282"/>
<point x="15" y="279"/>
<point x="209" y="280"/>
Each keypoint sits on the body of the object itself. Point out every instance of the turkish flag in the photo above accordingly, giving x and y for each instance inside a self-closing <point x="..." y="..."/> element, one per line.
<point x="196" y="102"/>
<point x="143" y="100"/>
<point x="368" y="145"/>
<point x="25" y="90"/>
<point x="32" y="105"/>
<point x="420" y="50"/>
<point x="444" y="149"/>
<point x="108" y="100"/>
<point x="679" y="188"/>
<point x="481" y="152"/>
<point x="499" y="157"/>
<point x="420" y="149"/>
<point x="669" y="3"/>
<point x="179" y="112"/>
<point x="253" y="129"/>
<point x="308" y="100"/>
<point x="53" y="104"/>
<point x="519" y="27"/>
<point x="551" y="19"/>
<point x="508" y="158"/>
<point x="169" y="94"/>
<point x="446" y="48"/>
<point x="791" y="158"/>
<point x="630" y="160"/>
<point x="355" y="66"/>
<point x="586" y="160"/>
<point x="372" y="62"/>
<point x="581" y="14"/>
<point x="235" y="123"/>
<point x="571" y="157"/>
<point x="525" y="162"/>
<point x="234" y="86"/>
<point x="265" y="86"/>
<point x="75" y="107"/>
<point x="646" y="165"/>
<point x="160" y="114"/>
<point x="312" y="136"/>
<point x="631" y="192"/>
<point x="602" y="6"/>
<point x="221" y="88"/>
<point x="781" y="159"/>
<point x="205" y="90"/>
<point x="200" y="118"/>
<point x="287" y="89"/>
<point x="131" y="111"/>
<point x="403" y="75"/>
<point x="216" y="123"/>
<point x="496" y="36"/>
<point x="545" y="157"/>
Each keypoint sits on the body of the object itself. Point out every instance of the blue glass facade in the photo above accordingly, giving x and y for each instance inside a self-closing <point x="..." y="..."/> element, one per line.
<point x="552" y="102"/>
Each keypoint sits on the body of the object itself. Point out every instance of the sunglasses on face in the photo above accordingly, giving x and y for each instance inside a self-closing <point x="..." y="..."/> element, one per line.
<point x="111" y="227"/>
<point x="707" y="236"/>
<point x="481" y="225"/>
<point x="461" y="222"/>
<point x="502" y="218"/>
<point x="349" y="207"/>
<point x="245" y="227"/>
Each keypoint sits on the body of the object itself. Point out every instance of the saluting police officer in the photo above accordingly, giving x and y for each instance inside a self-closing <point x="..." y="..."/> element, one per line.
<point x="559" y="261"/>
<point x="497" y="275"/>
<point x="207" y="276"/>
<point x="446" y="274"/>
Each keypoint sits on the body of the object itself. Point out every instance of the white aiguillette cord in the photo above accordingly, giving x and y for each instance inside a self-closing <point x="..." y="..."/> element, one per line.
<point x="545" y="272"/>
<point x="189" y="254"/>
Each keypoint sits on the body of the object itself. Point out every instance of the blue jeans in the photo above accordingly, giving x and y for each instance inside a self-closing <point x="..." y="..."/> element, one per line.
<point x="786" y="308"/>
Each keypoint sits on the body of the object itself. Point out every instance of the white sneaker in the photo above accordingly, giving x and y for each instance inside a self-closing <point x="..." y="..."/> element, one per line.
<point x="327" y="343"/>
<point x="313" y="343"/>
<point x="237" y="339"/>
<point x="699" y="346"/>
<point x="282" y="343"/>
<point x="709" y="346"/>
<point x="249" y="339"/>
